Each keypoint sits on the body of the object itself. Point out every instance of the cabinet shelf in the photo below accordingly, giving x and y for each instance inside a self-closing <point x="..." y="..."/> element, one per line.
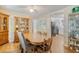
<point x="22" y="25"/>
<point x="74" y="31"/>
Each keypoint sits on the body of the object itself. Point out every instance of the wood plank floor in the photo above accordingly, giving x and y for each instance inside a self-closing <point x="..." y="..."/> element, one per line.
<point x="10" y="48"/>
<point x="57" y="46"/>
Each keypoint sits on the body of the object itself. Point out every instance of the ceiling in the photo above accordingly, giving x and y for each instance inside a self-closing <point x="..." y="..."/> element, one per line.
<point x="40" y="10"/>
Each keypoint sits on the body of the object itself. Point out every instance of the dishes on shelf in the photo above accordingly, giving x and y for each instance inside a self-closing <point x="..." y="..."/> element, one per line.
<point x="74" y="31"/>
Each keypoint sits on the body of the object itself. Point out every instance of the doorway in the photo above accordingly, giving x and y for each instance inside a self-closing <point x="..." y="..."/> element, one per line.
<point x="57" y="33"/>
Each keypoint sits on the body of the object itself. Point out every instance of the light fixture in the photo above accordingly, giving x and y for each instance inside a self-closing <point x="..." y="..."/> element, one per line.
<point x="31" y="10"/>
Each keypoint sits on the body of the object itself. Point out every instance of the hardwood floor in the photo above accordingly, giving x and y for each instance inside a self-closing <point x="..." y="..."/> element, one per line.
<point x="10" y="48"/>
<point x="68" y="50"/>
<point x="57" y="46"/>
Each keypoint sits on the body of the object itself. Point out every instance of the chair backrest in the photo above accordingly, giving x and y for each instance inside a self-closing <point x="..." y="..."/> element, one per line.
<point x="22" y="40"/>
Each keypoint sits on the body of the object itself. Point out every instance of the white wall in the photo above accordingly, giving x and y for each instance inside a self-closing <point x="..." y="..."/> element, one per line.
<point x="34" y="37"/>
<point x="11" y="29"/>
<point x="65" y="12"/>
<point x="37" y="37"/>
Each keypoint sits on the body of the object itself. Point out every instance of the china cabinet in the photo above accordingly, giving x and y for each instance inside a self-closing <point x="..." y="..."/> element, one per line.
<point x="73" y="23"/>
<point x="22" y="24"/>
<point x="3" y="28"/>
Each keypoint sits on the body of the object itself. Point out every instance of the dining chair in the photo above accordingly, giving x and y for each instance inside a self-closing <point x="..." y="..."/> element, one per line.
<point x="25" y="44"/>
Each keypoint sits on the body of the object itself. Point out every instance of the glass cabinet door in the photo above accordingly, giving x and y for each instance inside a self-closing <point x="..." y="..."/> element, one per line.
<point x="5" y="23"/>
<point x="73" y="29"/>
<point x="74" y="25"/>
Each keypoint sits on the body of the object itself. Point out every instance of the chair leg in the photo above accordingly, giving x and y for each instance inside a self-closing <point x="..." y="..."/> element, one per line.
<point x="21" y="50"/>
<point x="50" y="51"/>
